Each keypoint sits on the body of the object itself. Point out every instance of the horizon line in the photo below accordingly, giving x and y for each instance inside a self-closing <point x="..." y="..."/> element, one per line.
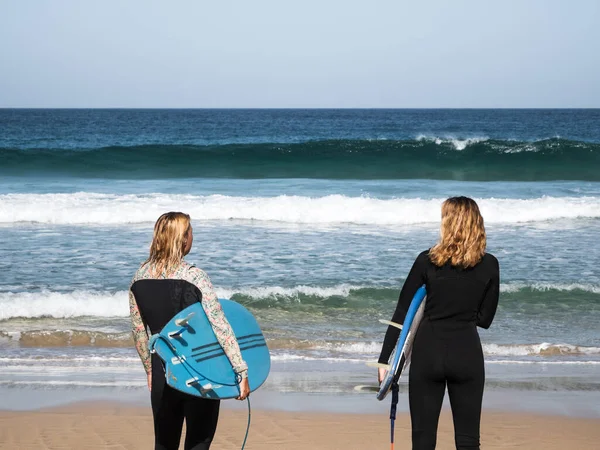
<point x="299" y="108"/>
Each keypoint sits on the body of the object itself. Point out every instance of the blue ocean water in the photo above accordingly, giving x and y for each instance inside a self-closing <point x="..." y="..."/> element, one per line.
<point x="311" y="218"/>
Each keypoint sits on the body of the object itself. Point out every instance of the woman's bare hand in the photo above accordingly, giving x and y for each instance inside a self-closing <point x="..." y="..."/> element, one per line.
<point x="244" y="389"/>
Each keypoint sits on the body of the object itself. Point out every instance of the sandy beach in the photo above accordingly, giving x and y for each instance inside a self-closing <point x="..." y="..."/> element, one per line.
<point x="316" y="163"/>
<point x="119" y="426"/>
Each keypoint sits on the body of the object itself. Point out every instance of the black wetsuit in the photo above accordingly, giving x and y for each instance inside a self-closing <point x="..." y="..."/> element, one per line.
<point x="158" y="301"/>
<point x="447" y="350"/>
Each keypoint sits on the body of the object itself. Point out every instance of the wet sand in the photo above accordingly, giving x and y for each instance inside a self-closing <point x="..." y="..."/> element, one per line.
<point x="120" y="426"/>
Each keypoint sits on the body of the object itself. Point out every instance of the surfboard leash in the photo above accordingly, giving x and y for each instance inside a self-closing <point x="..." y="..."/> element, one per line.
<point x="395" y="389"/>
<point x="249" y="419"/>
<point x="238" y="380"/>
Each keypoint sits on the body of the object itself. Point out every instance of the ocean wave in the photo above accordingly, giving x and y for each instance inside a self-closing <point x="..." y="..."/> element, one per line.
<point x="378" y="292"/>
<point x="111" y="209"/>
<point x="549" y="287"/>
<point x="63" y="304"/>
<point x="288" y="349"/>
<point x="543" y="349"/>
<point x="85" y="303"/>
<point x="458" y="144"/>
<point x="265" y="292"/>
<point x="455" y="158"/>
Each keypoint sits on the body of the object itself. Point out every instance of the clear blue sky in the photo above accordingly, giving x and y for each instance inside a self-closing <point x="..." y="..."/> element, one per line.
<point x="286" y="53"/>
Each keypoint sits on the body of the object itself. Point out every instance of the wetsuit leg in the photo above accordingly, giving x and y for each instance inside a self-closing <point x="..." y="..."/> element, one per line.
<point x="201" y="417"/>
<point x="466" y="379"/>
<point x="167" y="409"/>
<point x="426" y="386"/>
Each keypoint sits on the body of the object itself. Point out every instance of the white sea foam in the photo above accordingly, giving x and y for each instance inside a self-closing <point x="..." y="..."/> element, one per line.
<point x="368" y="351"/>
<point x="458" y="144"/>
<point x="298" y="357"/>
<point x="342" y="290"/>
<point x="543" y="287"/>
<point x="110" y="209"/>
<point x="352" y="347"/>
<point x="543" y="349"/>
<point x="63" y="305"/>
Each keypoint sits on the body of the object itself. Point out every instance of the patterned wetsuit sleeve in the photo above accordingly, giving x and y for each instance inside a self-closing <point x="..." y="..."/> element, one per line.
<point x="138" y="328"/>
<point x="217" y="319"/>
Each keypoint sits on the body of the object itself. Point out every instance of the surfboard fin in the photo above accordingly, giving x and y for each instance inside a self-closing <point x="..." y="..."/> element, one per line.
<point x="176" y="334"/>
<point x="379" y="365"/>
<point x="194" y="382"/>
<point x="390" y="323"/>
<point x="178" y="359"/>
<point x="183" y="322"/>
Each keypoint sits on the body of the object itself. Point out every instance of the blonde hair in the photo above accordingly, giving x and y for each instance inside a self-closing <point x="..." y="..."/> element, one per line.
<point x="462" y="234"/>
<point x="169" y="242"/>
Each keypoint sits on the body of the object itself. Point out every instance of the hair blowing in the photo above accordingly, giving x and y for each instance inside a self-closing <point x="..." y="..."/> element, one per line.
<point x="169" y="242"/>
<point x="462" y="234"/>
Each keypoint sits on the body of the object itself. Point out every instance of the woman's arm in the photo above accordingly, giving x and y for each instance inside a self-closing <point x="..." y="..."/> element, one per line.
<point x="416" y="278"/>
<point x="489" y="303"/>
<point x="140" y="335"/>
<point x="217" y="319"/>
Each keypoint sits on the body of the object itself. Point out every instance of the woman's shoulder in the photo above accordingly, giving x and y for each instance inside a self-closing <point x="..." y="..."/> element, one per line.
<point x="141" y="273"/>
<point x="192" y="271"/>
<point x="423" y="257"/>
<point x="489" y="260"/>
<point x="189" y="267"/>
<point x="490" y="257"/>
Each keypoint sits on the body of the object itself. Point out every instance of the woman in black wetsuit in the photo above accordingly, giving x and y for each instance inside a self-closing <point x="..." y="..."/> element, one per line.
<point x="462" y="283"/>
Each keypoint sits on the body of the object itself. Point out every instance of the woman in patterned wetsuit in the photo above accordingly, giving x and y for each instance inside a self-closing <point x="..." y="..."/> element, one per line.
<point x="164" y="285"/>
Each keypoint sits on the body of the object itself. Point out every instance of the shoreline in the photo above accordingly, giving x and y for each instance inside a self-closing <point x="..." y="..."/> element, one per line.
<point x="110" y="424"/>
<point x="570" y="405"/>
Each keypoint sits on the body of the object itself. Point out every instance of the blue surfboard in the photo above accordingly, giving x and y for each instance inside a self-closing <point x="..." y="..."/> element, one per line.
<point x="195" y="362"/>
<point x="400" y="357"/>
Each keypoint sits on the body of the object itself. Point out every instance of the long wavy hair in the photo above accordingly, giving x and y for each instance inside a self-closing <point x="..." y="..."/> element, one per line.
<point x="168" y="243"/>
<point x="462" y="234"/>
